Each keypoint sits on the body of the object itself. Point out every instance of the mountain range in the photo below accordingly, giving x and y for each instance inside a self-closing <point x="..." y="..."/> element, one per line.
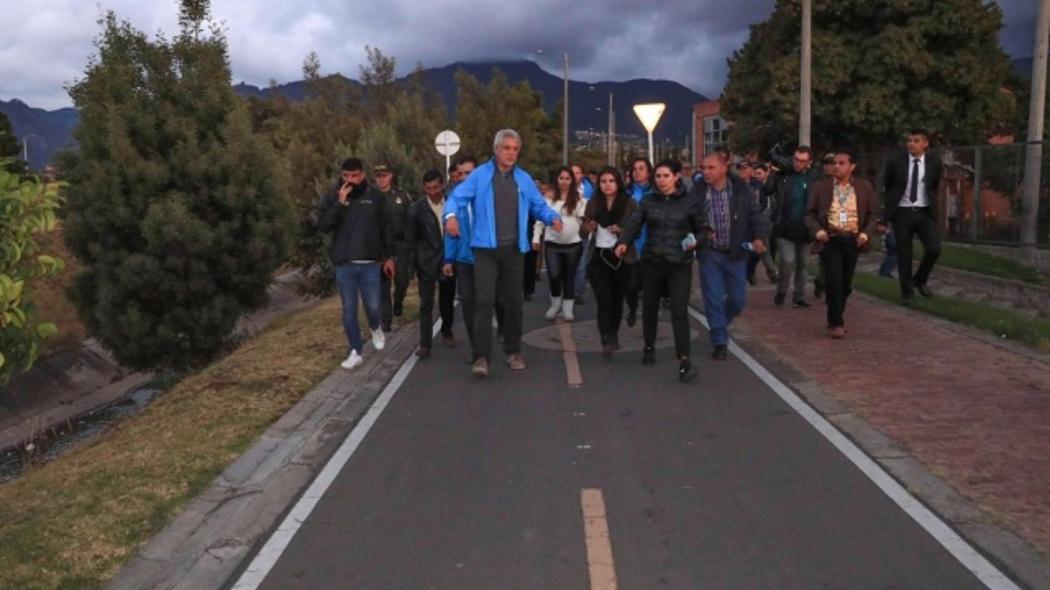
<point x="50" y="131"/>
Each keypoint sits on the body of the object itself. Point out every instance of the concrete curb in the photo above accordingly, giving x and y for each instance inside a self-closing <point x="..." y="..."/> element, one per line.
<point x="207" y="545"/>
<point x="1015" y="556"/>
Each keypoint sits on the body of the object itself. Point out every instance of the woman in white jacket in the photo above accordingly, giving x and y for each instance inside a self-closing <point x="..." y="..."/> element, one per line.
<point x="563" y="248"/>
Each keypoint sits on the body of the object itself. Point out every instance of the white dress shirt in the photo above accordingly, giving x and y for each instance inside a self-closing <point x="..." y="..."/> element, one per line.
<point x="922" y="200"/>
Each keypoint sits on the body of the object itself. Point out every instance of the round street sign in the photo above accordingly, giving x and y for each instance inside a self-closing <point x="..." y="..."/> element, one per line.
<point x="447" y="143"/>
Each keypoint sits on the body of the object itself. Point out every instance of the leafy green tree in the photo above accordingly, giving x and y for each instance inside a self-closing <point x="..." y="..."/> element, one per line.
<point x="178" y="212"/>
<point x="483" y="110"/>
<point x="27" y="208"/>
<point x="879" y="69"/>
<point x="10" y="149"/>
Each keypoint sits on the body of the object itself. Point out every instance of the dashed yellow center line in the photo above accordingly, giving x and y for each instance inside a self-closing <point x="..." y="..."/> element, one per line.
<point x="600" y="564"/>
<point x="568" y="347"/>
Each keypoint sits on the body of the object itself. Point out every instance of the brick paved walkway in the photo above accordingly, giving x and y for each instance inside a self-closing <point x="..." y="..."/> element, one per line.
<point x="977" y="414"/>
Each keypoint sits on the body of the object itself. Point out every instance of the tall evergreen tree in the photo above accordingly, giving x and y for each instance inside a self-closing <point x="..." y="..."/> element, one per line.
<point x="177" y="211"/>
<point x="879" y="69"/>
<point x="10" y="149"/>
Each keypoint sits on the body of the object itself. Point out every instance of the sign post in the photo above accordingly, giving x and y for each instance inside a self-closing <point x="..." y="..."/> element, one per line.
<point x="447" y="144"/>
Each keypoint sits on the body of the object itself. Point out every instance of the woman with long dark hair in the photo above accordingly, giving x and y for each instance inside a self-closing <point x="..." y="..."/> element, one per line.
<point x="562" y="249"/>
<point x="675" y="226"/>
<point x="605" y="217"/>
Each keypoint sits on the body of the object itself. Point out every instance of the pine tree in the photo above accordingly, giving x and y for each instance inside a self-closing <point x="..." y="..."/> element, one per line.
<point x="177" y="211"/>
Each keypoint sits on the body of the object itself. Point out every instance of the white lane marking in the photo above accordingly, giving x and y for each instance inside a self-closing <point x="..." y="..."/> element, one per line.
<point x="969" y="557"/>
<point x="600" y="564"/>
<point x="267" y="557"/>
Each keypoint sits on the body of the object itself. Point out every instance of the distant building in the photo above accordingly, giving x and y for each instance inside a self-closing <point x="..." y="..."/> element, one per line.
<point x="710" y="129"/>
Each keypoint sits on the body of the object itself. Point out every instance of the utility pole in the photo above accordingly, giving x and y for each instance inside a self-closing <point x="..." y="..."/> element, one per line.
<point x="807" y="66"/>
<point x="565" y="116"/>
<point x="612" y="133"/>
<point x="1036" y="113"/>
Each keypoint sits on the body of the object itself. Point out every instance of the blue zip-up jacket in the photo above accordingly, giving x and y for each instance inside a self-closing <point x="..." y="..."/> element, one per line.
<point x="476" y="193"/>
<point x="637" y="192"/>
<point x="458" y="249"/>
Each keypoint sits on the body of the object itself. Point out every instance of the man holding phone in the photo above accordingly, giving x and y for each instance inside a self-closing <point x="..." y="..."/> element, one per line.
<point x="362" y="249"/>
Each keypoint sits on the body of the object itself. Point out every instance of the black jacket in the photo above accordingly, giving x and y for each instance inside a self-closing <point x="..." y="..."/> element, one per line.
<point x="423" y="240"/>
<point x="668" y="219"/>
<point x="747" y="222"/>
<point x="895" y="182"/>
<point x="361" y="227"/>
<point x="780" y="214"/>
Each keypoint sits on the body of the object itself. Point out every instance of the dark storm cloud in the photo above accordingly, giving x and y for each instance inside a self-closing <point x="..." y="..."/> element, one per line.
<point x="683" y="40"/>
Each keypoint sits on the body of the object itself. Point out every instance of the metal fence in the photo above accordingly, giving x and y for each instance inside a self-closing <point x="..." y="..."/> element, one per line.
<point x="993" y="214"/>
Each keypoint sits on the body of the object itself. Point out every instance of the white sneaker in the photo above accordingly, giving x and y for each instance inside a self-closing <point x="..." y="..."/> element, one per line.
<point x="567" y="311"/>
<point x="552" y="311"/>
<point x="378" y="338"/>
<point x="353" y="361"/>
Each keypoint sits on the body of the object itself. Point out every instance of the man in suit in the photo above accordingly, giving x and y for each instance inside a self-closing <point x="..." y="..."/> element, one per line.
<point x="841" y="215"/>
<point x="910" y="204"/>
<point x="424" y="240"/>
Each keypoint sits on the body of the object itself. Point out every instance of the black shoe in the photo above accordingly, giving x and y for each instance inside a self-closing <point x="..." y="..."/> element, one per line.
<point x="800" y="303"/>
<point x="398" y="309"/>
<point x="632" y="316"/>
<point x="387" y="328"/>
<point x="649" y="356"/>
<point x="818" y="288"/>
<point x="528" y="297"/>
<point x="665" y="303"/>
<point x="924" y="290"/>
<point x="772" y="276"/>
<point x="686" y="371"/>
<point x="580" y="300"/>
<point x="614" y="341"/>
<point x="751" y="280"/>
<point x="906" y="301"/>
<point x="778" y="299"/>
<point x="721" y="353"/>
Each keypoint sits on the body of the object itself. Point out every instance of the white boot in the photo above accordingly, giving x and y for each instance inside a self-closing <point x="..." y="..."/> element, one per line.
<point x="566" y="309"/>
<point x="555" y="307"/>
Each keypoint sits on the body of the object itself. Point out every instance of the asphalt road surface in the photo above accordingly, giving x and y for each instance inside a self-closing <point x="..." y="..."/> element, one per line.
<point x="512" y="482"/>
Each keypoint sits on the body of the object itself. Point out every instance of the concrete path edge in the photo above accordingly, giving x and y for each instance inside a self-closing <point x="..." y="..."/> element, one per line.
<point x="210" y="541"/>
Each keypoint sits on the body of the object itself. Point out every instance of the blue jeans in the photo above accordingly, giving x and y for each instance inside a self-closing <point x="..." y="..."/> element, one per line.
<point x="354" y="279"/>
<point x="723" y="282"/>
<point x="889" y="263"/>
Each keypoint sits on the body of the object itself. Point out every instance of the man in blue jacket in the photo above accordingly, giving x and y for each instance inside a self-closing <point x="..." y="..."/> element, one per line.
<point x="501" y="197"/>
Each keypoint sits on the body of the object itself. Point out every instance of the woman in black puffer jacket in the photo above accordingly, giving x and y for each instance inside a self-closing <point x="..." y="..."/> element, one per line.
<point x="676" y="227"/>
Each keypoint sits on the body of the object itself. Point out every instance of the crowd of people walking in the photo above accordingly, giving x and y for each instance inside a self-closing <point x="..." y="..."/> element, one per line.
<point x="634" y="237"/>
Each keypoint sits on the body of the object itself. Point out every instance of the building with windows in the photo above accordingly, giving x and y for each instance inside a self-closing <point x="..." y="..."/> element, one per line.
<point x="710" y="130"/>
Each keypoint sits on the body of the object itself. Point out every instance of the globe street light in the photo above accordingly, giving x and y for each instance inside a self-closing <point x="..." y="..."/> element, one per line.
<point x="649" y="115"/>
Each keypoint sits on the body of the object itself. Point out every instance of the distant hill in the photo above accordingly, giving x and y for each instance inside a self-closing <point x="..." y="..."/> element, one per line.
<point x="45" y="132"/>
<point x="587" y="104"/>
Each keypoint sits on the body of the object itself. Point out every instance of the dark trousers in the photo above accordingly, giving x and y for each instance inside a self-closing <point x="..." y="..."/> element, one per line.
<point x="394" y="290"/>
<point x="446" y="292"/>
<point x="676" y="280"/>
<point x="465" y="286"/>
<point x="634" y="286"/>
<point x="889" y="262"/>
<point x="497" y="278"/>
<point x="839" y="260"/>
<point x="529" y="276"/>
<point x="610" y="287"/>
<point x="909" y="222"/>
<point x="386" y="310"/>
<point x="562" y="263"/>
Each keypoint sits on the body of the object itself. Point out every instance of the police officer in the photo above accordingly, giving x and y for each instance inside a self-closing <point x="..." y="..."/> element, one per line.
<point x="397" y="208"/>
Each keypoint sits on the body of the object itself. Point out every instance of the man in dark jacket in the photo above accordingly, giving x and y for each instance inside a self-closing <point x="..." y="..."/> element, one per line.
<point x="424" y="239"/>
<point x="789" y="223"/>
<point x="362" y="250"/>
<point x="738" y="227"/>
<point x="397" y="202"/>
<point x="910" y="204"/>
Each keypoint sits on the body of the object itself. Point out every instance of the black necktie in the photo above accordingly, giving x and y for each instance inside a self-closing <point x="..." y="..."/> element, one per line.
<point x="913" y="194"/>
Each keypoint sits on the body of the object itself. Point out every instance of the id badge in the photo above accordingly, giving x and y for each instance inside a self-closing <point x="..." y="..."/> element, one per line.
<point x="843" y="218"/>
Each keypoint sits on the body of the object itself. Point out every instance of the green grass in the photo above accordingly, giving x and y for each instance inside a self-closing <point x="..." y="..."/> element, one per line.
<point x="73" y="522"/>
<point x="981" y="262"/>
<point x="1006" y="324"/>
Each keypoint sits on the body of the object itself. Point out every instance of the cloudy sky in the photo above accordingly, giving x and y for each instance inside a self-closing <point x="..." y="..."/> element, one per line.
<point x="683" y="40"/>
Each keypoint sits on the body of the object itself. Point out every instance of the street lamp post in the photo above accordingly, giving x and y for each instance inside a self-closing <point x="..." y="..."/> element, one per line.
<point x="807" y="66"/>
<point x="565" y="116"/>
<point x="649" y="115"/>
<point x="25" y="149"/>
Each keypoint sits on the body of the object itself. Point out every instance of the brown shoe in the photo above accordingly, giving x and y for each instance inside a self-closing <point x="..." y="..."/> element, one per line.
<point x="449" y="340"/>
<point x="516" y="362"/>
<point x="480" y="368"/>
<point x="838" y="332"/>
<point x="423" y="352"/>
